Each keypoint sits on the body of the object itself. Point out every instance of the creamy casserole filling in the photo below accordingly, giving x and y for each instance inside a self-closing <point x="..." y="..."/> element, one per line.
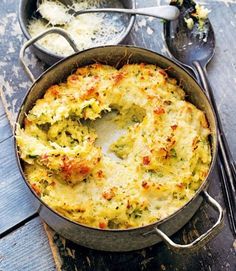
<point x="160" y="158"/>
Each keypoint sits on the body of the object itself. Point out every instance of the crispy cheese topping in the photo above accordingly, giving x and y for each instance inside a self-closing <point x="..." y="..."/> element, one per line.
<point x="163" y="155"/>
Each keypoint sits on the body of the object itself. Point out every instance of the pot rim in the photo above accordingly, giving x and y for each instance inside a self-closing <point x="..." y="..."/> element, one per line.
<point x="202" y="187"/>
<point x="44" y="50"/>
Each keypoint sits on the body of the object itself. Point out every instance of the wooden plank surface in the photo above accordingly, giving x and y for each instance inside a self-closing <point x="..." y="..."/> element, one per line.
<point x="26" y="249"/>
<point x="16" y="200"/>
<point x="2" y="110"/>
<point x="222" y="68"/>
<point x="5" y="131"/>
<point x="19" y="250"/>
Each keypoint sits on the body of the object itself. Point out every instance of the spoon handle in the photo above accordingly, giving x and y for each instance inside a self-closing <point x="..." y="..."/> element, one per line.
<point x="226" y="156"/>
<point x="162" y="12"/>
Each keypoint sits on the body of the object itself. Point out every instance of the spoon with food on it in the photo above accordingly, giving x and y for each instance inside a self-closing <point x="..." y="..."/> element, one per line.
<point x="61" y="12"/>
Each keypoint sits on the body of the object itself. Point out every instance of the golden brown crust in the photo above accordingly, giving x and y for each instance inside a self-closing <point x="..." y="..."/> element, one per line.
<point x="164" y="152"/>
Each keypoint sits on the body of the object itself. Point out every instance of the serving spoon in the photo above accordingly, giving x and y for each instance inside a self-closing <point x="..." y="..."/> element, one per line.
<point x="162" y="12"/>
<point x="194" y="48"/>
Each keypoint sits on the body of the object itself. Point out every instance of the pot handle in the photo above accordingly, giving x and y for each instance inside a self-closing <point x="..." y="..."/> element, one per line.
<point x="31" y="41"/>
<point x="201" y="240"/>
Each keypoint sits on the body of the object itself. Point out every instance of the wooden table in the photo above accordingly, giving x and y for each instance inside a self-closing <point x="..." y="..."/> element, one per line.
<point x="24" y="244"/>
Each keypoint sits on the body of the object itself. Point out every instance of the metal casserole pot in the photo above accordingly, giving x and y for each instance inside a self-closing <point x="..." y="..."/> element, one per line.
<point x="134" y="238"/>
<point x="28" y="7"/>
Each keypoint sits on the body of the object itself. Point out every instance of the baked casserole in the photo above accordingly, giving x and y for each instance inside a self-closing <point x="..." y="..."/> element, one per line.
<point x="161" y="158"/>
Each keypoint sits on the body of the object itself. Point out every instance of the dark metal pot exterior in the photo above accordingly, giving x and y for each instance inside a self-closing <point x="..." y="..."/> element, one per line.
<point x="131" y="239"/>
<point x="26" y="9"/>
<point x="119" y="240"/>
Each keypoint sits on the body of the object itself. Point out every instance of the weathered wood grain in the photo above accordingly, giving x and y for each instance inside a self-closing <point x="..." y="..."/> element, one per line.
<point x="15" y="197"/>
<point x="5" y="129"/>
<point x="222" y="68"/>
<point x="26" y="249"/>
<point x="8" y="168"/>
<point x="16" y="203"/>
<point x="2" y="110"/>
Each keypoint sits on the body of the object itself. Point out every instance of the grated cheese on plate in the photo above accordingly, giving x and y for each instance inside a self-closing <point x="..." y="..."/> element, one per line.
<point x="87" y="30"/>
<point x="54" y="12"/>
